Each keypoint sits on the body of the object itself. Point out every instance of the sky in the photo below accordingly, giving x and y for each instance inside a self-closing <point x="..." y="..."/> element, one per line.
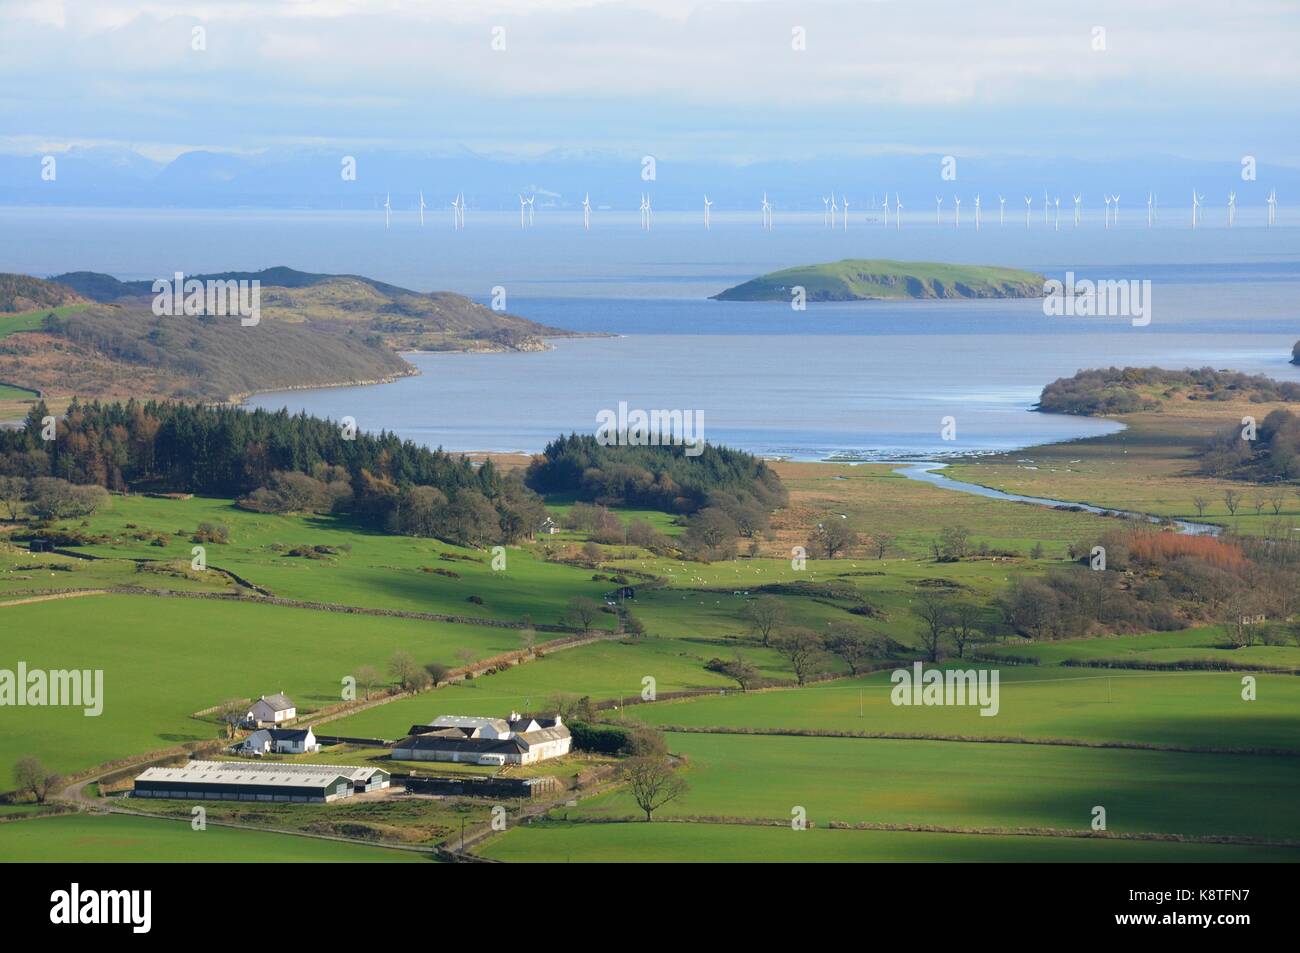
<point x="722" y="81"/>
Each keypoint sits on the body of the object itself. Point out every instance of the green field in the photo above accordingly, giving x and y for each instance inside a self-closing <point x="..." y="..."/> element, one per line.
<point x="557" y="842"/>
<point x="164" y="659"/>
<point x="31" y="320"/>
<point x="1177" y="709"/>
<point x="969" y="785"/>
<point x="9" y="392"/>
<point x="116" y="838"/>
<point x="605" y="670"/>
<point x="368" y="569"/>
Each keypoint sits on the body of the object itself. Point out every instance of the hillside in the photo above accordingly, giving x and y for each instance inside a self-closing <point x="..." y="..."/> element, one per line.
<point x="857" y="279"/>
<point x="1103" y="392"/>
<point x="405" y="319"/>
<point x="314" y="331"/>
<point x="22" y="293"/>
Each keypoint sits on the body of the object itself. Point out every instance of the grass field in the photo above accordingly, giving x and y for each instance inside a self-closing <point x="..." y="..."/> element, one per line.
<point x="557" y="842"/>
<point x="369" y="569"/>
<point x="967" y="785"/>
<point x="31" y="320"/>
<point x="116" y="838"/>
<point x="605" y="670"/>
<point x="163" y="659"/>
<point x="1204" y="644"/>
<point x="1178" y="709"/>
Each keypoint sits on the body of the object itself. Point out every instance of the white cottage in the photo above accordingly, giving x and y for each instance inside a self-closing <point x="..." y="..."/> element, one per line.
<point x="271" y="710"/>
<point x="278" y="741"/>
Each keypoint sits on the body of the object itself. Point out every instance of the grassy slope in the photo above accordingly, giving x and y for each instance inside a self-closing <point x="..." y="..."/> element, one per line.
<point x="164" y="659"/>
<point x="675" y="843"/>
<point x="857" y="279"/>
<point x="381" y="571"/>
<point x="976" y="785"/>
<point x="1185" y="708"/>
<point x="115" y="838"/>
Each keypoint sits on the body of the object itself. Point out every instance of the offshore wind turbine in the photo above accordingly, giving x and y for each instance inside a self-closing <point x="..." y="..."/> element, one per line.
<point x="1077" y="199"/>
<point x="707" y="205"/>
<point x="885" y="206"/>
<point x="977" y="213"/>
<point x="767" y="213"/>
<point x="422" y="206"/>
<point x="1196" y="207"/>
<point x="1150" y="208"/>
<point x="523" y="205"/>
<point x="846" y="213"/>
<point x="1002" y="209"/>
<point x="1272" y="208"/>
<point x="388" y="208"/>
<point x="834" y="208"/>
<point x="826" y="212"/>
<point x="1058" y="213"/>
<point x="1107" y="198"/>
<point x="1028" y="205"/>
<point x="644" y="209"/>
<point x="1115" y="199"/>
<point x="898" y="212"/>
<point x="956" y="222"/>
<point x="586" y="211"/>
<point x="938" y="201"/>
<point x="531" y="200"/>
<point x="1232" y="208"/>
<point x="458" y="211"/>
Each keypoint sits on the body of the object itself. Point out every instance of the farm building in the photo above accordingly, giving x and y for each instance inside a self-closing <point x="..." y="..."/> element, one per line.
<point x="238" y="781"/>
<point x="278" y="741"/>
<point x="39" y="544"/>
<point x="270" y="710"/>
<point x="513" y="740"/>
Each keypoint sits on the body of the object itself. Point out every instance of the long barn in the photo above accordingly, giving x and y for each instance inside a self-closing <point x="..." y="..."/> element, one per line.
<point x="240" y="781"/>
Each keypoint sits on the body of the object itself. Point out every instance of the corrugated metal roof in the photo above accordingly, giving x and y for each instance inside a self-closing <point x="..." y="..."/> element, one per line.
<point x="263" y="772"/>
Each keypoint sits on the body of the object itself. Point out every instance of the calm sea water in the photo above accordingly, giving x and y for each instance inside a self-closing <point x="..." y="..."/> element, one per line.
<point x="865" y="380"/>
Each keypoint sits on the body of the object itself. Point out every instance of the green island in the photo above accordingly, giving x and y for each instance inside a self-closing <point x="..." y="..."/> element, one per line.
<point x="859" y="279"/>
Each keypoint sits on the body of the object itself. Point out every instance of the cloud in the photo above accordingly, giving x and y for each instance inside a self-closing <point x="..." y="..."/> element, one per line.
<point x="656" y="71"/>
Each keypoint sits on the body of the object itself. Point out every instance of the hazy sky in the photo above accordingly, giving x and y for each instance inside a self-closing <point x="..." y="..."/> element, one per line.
<point x="672" y="78"/>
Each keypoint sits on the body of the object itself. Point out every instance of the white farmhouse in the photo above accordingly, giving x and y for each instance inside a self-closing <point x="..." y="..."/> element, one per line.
<point x="271" y="710"/>
<point x="279" y="741"/>
<point x="462" y="738"/>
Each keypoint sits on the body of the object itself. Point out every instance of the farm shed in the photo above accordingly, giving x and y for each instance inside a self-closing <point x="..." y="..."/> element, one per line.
<point x="238" y="781"/>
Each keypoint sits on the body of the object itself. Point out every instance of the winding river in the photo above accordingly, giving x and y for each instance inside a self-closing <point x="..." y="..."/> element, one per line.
<point x="929" y="471"/>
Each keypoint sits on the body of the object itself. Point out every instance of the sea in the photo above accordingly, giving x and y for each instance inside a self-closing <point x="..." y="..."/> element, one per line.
<point x="854" y="381"/>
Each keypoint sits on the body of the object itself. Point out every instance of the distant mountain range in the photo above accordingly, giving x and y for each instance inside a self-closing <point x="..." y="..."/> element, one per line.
<point x="113" y="177"/>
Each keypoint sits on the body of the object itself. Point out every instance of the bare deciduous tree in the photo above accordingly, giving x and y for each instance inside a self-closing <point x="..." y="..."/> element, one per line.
<point x="935" y="610"/>
<point x="31" y="776"/>
<point x="764" y="616"/>
<point x="653" y="783"/>
<point x="802" y="648"/>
